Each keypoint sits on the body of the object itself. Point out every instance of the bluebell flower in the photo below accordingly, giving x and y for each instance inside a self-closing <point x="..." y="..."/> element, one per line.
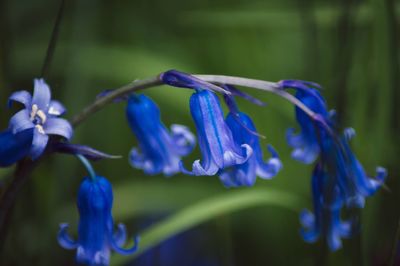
<point x="325" y="222"/>
<point x="243" y="131"/>
<point x="218" y="148"/>
<point x="306" y="144"/>
<point x="14" y="147"/>
<point x="159" y="151"/>
<point x="96" y="235"/>
<point x="40" y="115"/>
<point x="355" y="184"/>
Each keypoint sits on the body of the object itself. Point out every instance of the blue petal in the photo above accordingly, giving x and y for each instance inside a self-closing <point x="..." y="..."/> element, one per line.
<point x="56" y="108"/>
<point x="120" y="235"/>
<point x="381" y="174"/>
<point x="183" y="139"/>
<point x="58" y="126"/>
<point x="199" y="169"/>
<point x="13" y="147"/>
<point x="123" y="251"/>
<point x="39" y="144"/>
<point x="98" y="258"/>
<point x="239" y="175"/>
<point x="64" y="239"/>
<point x="20" y="121"/>
<point x="307" y="219"/>
<point x="334" y="241"/>
<point x="231" y="158"/>
<point x="215" y="138"/>
<point x="294" y="140"/>
<point x="271" y="168"/>
<point x="310" y="233"/>
<point x="137" y="160"/>
<point x="159" y="150"/>
<point x="152" y="165"/>
<point x="306" y="155"/>
<point x="355" y="201"/>
<point x="41" y="94"/>
<point x="23" y="97"/>
<point x="349" y="133"/>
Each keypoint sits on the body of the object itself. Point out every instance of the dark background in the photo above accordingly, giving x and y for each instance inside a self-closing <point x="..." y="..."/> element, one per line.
<point x="350" y="47"/>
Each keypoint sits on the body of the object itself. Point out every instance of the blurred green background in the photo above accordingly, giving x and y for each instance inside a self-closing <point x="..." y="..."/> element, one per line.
<point x="350" y="47"/>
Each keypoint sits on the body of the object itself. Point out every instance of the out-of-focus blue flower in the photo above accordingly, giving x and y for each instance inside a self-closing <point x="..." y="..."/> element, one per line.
<point x="305" y="144"/>
<point x="96" y="235"/>
<point x="351" y="177"/>
<point x="243" y="131"/>
<point x="159" y="151"/>
<point x="41" y="115"/>
<point x="339" y="179"/>
<point x="325" y="221"/>
<point x="217" y="146"/>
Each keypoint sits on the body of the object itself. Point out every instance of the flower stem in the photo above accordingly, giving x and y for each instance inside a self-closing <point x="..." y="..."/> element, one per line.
<point x="101" y="102"/>
<point x="9" y="195"/>
<point x="25" y="167"/>
<point x="53" y="41"/>
<point x="88" y="166"/>
<point x="136" y="85"/>
<point x="269" y="86"/>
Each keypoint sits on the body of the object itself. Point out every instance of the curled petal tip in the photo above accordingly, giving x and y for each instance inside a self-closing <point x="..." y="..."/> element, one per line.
<point x="127" y="251"/>
<point x="199" y="170"/>
<point x="381" y="173"/>
<point x="64" y="239"/>
<point x="349" y="133"/>
<point x="23" y="97"/>
<point x="272" y="150"/>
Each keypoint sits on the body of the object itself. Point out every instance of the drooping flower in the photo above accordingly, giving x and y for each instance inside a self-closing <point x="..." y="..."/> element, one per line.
<point x="96" y="235"/>
<point x="41" y="115"/>
<point x="159" y="151"/>
<point x="217" y="146"/>
<point x="351" y="177"/>
<point x="339" y="179"/>
<point x="306" y="144"/>
<point x="244" y="132"/>
<point x="325" y="221"/>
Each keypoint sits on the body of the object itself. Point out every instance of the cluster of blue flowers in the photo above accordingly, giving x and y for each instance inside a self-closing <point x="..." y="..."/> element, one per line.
<point x="338" y="179"/>
<point x="230" y="148"/>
